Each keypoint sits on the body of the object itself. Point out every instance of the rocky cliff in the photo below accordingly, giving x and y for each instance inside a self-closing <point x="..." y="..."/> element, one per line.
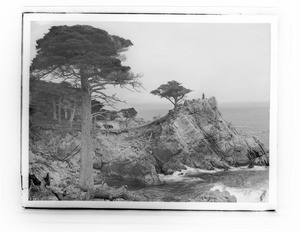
<point x="197" y="136"/>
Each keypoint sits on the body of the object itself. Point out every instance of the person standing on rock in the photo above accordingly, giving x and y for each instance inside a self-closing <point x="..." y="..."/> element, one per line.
<point x="203" y="96"/>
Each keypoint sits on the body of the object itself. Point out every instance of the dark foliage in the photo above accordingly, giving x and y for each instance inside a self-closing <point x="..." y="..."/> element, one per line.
<point x="68" y="52"/>
<point x="129" y="112"/>
<point x="173" y="91"/>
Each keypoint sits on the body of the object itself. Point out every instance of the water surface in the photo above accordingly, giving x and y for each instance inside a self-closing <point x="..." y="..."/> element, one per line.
<point x="247" y="185"/>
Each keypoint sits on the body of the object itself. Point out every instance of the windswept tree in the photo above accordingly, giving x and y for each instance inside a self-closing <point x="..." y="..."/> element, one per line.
<point x="128" y="115"/>
<point x="90" y="58"/>
<point x="173" y="91"/>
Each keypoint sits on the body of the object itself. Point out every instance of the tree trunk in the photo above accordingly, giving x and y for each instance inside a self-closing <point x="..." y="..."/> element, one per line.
<point x="59" y="109"/>
<point x="86" y="170"/>
<point x="175" y="108"/>
<point x="72" y="114"/>
<point x="66" y="114"/>
<point x="54" y="109"/>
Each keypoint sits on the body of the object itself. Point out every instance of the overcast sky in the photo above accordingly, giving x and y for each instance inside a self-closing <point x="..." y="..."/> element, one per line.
<point x="228" y="61"/>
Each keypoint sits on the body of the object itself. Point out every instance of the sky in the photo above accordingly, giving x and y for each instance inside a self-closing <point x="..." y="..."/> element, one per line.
<point x="227" y="60"/>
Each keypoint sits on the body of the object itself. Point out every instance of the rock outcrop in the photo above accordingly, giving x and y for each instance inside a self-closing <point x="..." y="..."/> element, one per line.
<point x="199" y="137"/>
<point x="119" y="156"/>
<point x="196" y="136"/>
<point x="55" y="175"/>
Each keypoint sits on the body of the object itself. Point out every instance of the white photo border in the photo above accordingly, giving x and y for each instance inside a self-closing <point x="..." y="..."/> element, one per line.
<point x="188" y="15"/>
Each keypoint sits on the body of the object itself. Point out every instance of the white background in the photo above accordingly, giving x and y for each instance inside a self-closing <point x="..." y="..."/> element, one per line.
<point x="14" y="218"/>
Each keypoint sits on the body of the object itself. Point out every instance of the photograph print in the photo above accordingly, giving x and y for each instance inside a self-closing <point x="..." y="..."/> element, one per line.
<point x="148" y="111"/>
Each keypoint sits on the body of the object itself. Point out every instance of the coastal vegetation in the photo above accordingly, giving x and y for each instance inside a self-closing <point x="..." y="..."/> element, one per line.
<point x="172" y="91"/>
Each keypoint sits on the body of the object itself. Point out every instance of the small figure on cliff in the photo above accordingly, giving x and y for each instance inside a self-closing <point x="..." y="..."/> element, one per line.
<point x="203" y="96"/>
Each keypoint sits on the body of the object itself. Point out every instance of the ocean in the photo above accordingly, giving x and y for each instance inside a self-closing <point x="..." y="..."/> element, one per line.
<point x="247" y="185"/>
<point x="251" y="119"/>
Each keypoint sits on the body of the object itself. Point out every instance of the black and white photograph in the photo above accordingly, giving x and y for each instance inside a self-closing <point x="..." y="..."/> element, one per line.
<point x="150" y="111"/>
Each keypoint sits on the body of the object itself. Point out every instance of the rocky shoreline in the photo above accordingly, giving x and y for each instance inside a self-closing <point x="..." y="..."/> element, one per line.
<point x="196" y="136"/>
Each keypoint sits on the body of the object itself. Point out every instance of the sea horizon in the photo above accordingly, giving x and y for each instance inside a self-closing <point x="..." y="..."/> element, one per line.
<point x="149" y="110"/>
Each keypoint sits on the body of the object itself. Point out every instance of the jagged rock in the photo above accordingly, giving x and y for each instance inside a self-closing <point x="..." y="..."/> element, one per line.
<point x="54" y="175"/>
<point x="53" y="180"/>
<point x="216" y="196"/>
<point x="196" y="137"/>
<point x="163" y="154"/>
<point x="199" y="137"/>
<point x="121" y="194"/>
<point x="173" y="166"/>
<point x="140" y="170"/>
<point x="123" y="159"/>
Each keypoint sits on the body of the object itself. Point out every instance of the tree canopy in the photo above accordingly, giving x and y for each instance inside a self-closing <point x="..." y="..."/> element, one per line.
<point x="173" y="91"/>
<point x="129" y="112"/>
<point x="77" y="46"/>
<point x="68" y="53"/>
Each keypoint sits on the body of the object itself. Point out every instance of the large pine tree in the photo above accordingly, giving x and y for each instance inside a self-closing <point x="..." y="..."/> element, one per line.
<point x="90" y="58"/>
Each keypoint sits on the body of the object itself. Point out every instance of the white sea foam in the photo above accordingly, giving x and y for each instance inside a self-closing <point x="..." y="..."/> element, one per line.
<point x="245" y="194"/>
<point x="173" y="178"/>
<point x="190" y="174"/>
<point x="193" y="171"/>
<point x="178" y="176"/>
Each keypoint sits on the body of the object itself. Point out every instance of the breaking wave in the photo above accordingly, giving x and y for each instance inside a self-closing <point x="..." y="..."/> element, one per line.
<point x="190" y="174"/>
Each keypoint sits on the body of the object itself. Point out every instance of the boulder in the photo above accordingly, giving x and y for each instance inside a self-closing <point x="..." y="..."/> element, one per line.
<point x="216" y="196"/>
<point x="125" y="160"/>
<point x="163" y="155"/>
<point x="140" y="170"/>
